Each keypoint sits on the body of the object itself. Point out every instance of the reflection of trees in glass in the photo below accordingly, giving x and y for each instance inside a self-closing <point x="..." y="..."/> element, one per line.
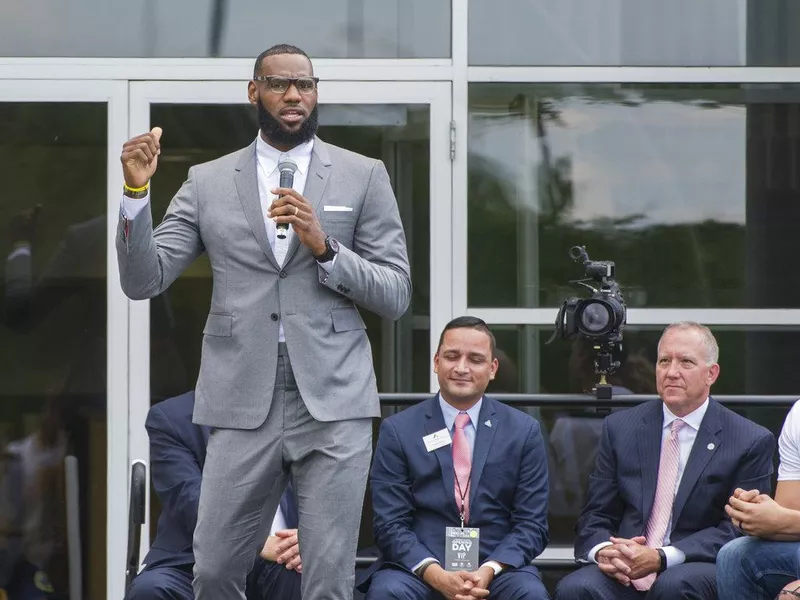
<point x="675" y="265"/>
<point x="554" y="174"/>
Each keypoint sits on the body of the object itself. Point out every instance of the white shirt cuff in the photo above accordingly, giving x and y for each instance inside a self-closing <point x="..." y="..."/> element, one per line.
<point x="132" y="207"/>
<point x="422" y="563"/>
<point x="596" y="549"/>
<point x="674" y="556"/>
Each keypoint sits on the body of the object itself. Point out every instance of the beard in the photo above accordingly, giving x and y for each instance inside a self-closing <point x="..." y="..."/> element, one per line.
<point x="276" y="132"/>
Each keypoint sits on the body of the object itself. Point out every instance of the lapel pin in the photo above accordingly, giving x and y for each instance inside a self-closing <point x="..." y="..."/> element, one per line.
<point x="488" y="423"/>
<point x="711" y="446"/>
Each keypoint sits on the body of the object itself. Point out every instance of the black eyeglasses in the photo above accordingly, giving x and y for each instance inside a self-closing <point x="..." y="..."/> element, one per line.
<point x="279" y="85"/>
<point x="794" y="593"/>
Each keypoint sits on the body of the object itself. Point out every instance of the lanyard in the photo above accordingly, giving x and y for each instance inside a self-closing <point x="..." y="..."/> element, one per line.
<point x="463" y="494"/>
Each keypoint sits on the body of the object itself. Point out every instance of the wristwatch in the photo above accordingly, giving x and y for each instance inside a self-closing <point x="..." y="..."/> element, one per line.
<point x="663" y="556"/>
<point x="494" y="566"/>
<point x="331" y="250"/>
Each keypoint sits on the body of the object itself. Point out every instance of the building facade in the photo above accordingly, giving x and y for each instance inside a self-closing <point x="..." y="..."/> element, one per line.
<point x="664" y="136"/>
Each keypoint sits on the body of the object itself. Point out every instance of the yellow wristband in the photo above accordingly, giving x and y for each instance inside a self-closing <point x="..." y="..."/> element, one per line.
<point x="139" y="189"/>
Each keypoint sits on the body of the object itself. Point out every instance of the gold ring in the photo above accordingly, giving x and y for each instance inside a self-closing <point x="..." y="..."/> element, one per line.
<point x="295" y="211"/>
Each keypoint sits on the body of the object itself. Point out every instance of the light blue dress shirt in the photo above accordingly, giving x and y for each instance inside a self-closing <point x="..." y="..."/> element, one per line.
<point x="449" y="412"/>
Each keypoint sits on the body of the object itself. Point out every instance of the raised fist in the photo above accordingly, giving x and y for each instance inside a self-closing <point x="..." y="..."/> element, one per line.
<point x="140" y="158"/>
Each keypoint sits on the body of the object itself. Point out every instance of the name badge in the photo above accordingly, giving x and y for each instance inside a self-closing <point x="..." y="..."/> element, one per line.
<point x="437" y="439"/>
<point x="461" y="548"/>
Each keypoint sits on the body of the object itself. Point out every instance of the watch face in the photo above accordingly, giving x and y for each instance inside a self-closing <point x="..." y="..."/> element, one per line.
<point x="334" y="245"/>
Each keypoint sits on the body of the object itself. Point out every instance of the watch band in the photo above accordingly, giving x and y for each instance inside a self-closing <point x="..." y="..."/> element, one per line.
<point x="331" y="250"/>
<point x="663" y="556"/>
<point x="494" y="566"/>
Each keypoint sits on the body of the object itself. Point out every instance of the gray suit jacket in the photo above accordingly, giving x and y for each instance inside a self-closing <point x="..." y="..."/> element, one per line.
<point x="217" y="210"/>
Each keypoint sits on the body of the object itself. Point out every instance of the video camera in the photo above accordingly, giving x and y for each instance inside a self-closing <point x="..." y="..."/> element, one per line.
<point x="599" y="319"/>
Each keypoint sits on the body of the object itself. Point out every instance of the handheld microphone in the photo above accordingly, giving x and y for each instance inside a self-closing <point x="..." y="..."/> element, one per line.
<point x="286" y="167"/>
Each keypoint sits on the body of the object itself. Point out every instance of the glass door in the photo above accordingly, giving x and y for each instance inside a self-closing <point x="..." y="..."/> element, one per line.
<point x="63" y="339"/>
<point x="405" y="124"/>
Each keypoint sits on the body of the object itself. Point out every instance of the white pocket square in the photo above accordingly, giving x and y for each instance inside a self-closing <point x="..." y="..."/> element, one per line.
<point x="331" y="208"/>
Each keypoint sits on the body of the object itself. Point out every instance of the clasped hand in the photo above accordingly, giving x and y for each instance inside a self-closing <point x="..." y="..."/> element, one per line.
<point x="284" y="548"/>
<point x="460" y="585"/>
<point x="628" y="559"/>
<point x="755" y="514"/>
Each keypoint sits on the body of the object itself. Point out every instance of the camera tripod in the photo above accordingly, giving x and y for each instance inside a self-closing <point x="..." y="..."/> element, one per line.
<point x="604" y="365"/>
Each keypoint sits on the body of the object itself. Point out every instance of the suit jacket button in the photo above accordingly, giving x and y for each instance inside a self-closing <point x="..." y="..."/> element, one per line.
<point x="282" y="274"/>
<point x="274" y="316"/>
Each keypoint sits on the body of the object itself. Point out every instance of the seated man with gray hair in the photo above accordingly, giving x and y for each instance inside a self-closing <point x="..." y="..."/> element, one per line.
<point x="655" y="515"/>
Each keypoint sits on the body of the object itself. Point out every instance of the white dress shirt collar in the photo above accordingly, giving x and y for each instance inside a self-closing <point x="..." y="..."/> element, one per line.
<point x="693" y="419"/>
<point x="269" y="157"/>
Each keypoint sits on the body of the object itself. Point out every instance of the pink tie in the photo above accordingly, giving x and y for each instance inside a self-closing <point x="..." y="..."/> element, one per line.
<point x="661" y="514"/>
<point x="462" y="463"/>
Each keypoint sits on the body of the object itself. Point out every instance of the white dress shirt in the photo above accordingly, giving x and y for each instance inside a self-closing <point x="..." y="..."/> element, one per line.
<point x="268" y="175"/>
<point x="686" y="437"/>
<point x="269" y="178"/>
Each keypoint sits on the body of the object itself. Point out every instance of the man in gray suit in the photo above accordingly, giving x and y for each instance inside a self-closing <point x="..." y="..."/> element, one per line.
<point x="286" y="377"/>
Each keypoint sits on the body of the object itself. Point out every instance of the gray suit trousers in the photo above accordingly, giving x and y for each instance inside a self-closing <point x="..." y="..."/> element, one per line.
<point x="245" y="473"/>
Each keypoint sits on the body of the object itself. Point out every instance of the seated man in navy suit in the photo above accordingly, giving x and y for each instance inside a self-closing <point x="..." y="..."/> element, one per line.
<point x="655" y="515"/>
<point x="177" y="455"/>
<point x="459" y="487"/>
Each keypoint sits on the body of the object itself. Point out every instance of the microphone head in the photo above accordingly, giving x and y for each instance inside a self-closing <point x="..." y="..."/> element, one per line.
<point x="286" y="164"/>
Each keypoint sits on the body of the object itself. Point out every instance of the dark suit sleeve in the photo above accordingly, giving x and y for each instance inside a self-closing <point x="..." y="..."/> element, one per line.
<point x="528" y="536"/>
<point x="393" y="503"/>
<point x="175" y="472"/>
<point x="755" y="472"/>
<point x="602" y="514"/>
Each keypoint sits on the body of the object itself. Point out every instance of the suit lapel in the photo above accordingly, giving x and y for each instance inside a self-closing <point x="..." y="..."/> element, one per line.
<point x="246" y="180"/>
<point x="649" y="442"/>
<point x="484" y="436"/>
<point x="435" y="422"/>
<point x="316" y="180"/>
<point x="710" y="432"/>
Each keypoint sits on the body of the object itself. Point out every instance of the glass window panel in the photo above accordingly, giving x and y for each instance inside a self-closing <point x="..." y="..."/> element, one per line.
<point x="53" y="338"/>
<point x="752" y="361"/>
<point x="690" y="189"/>
<point x="202" y="28"/>
<point x="633" y="32"/>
